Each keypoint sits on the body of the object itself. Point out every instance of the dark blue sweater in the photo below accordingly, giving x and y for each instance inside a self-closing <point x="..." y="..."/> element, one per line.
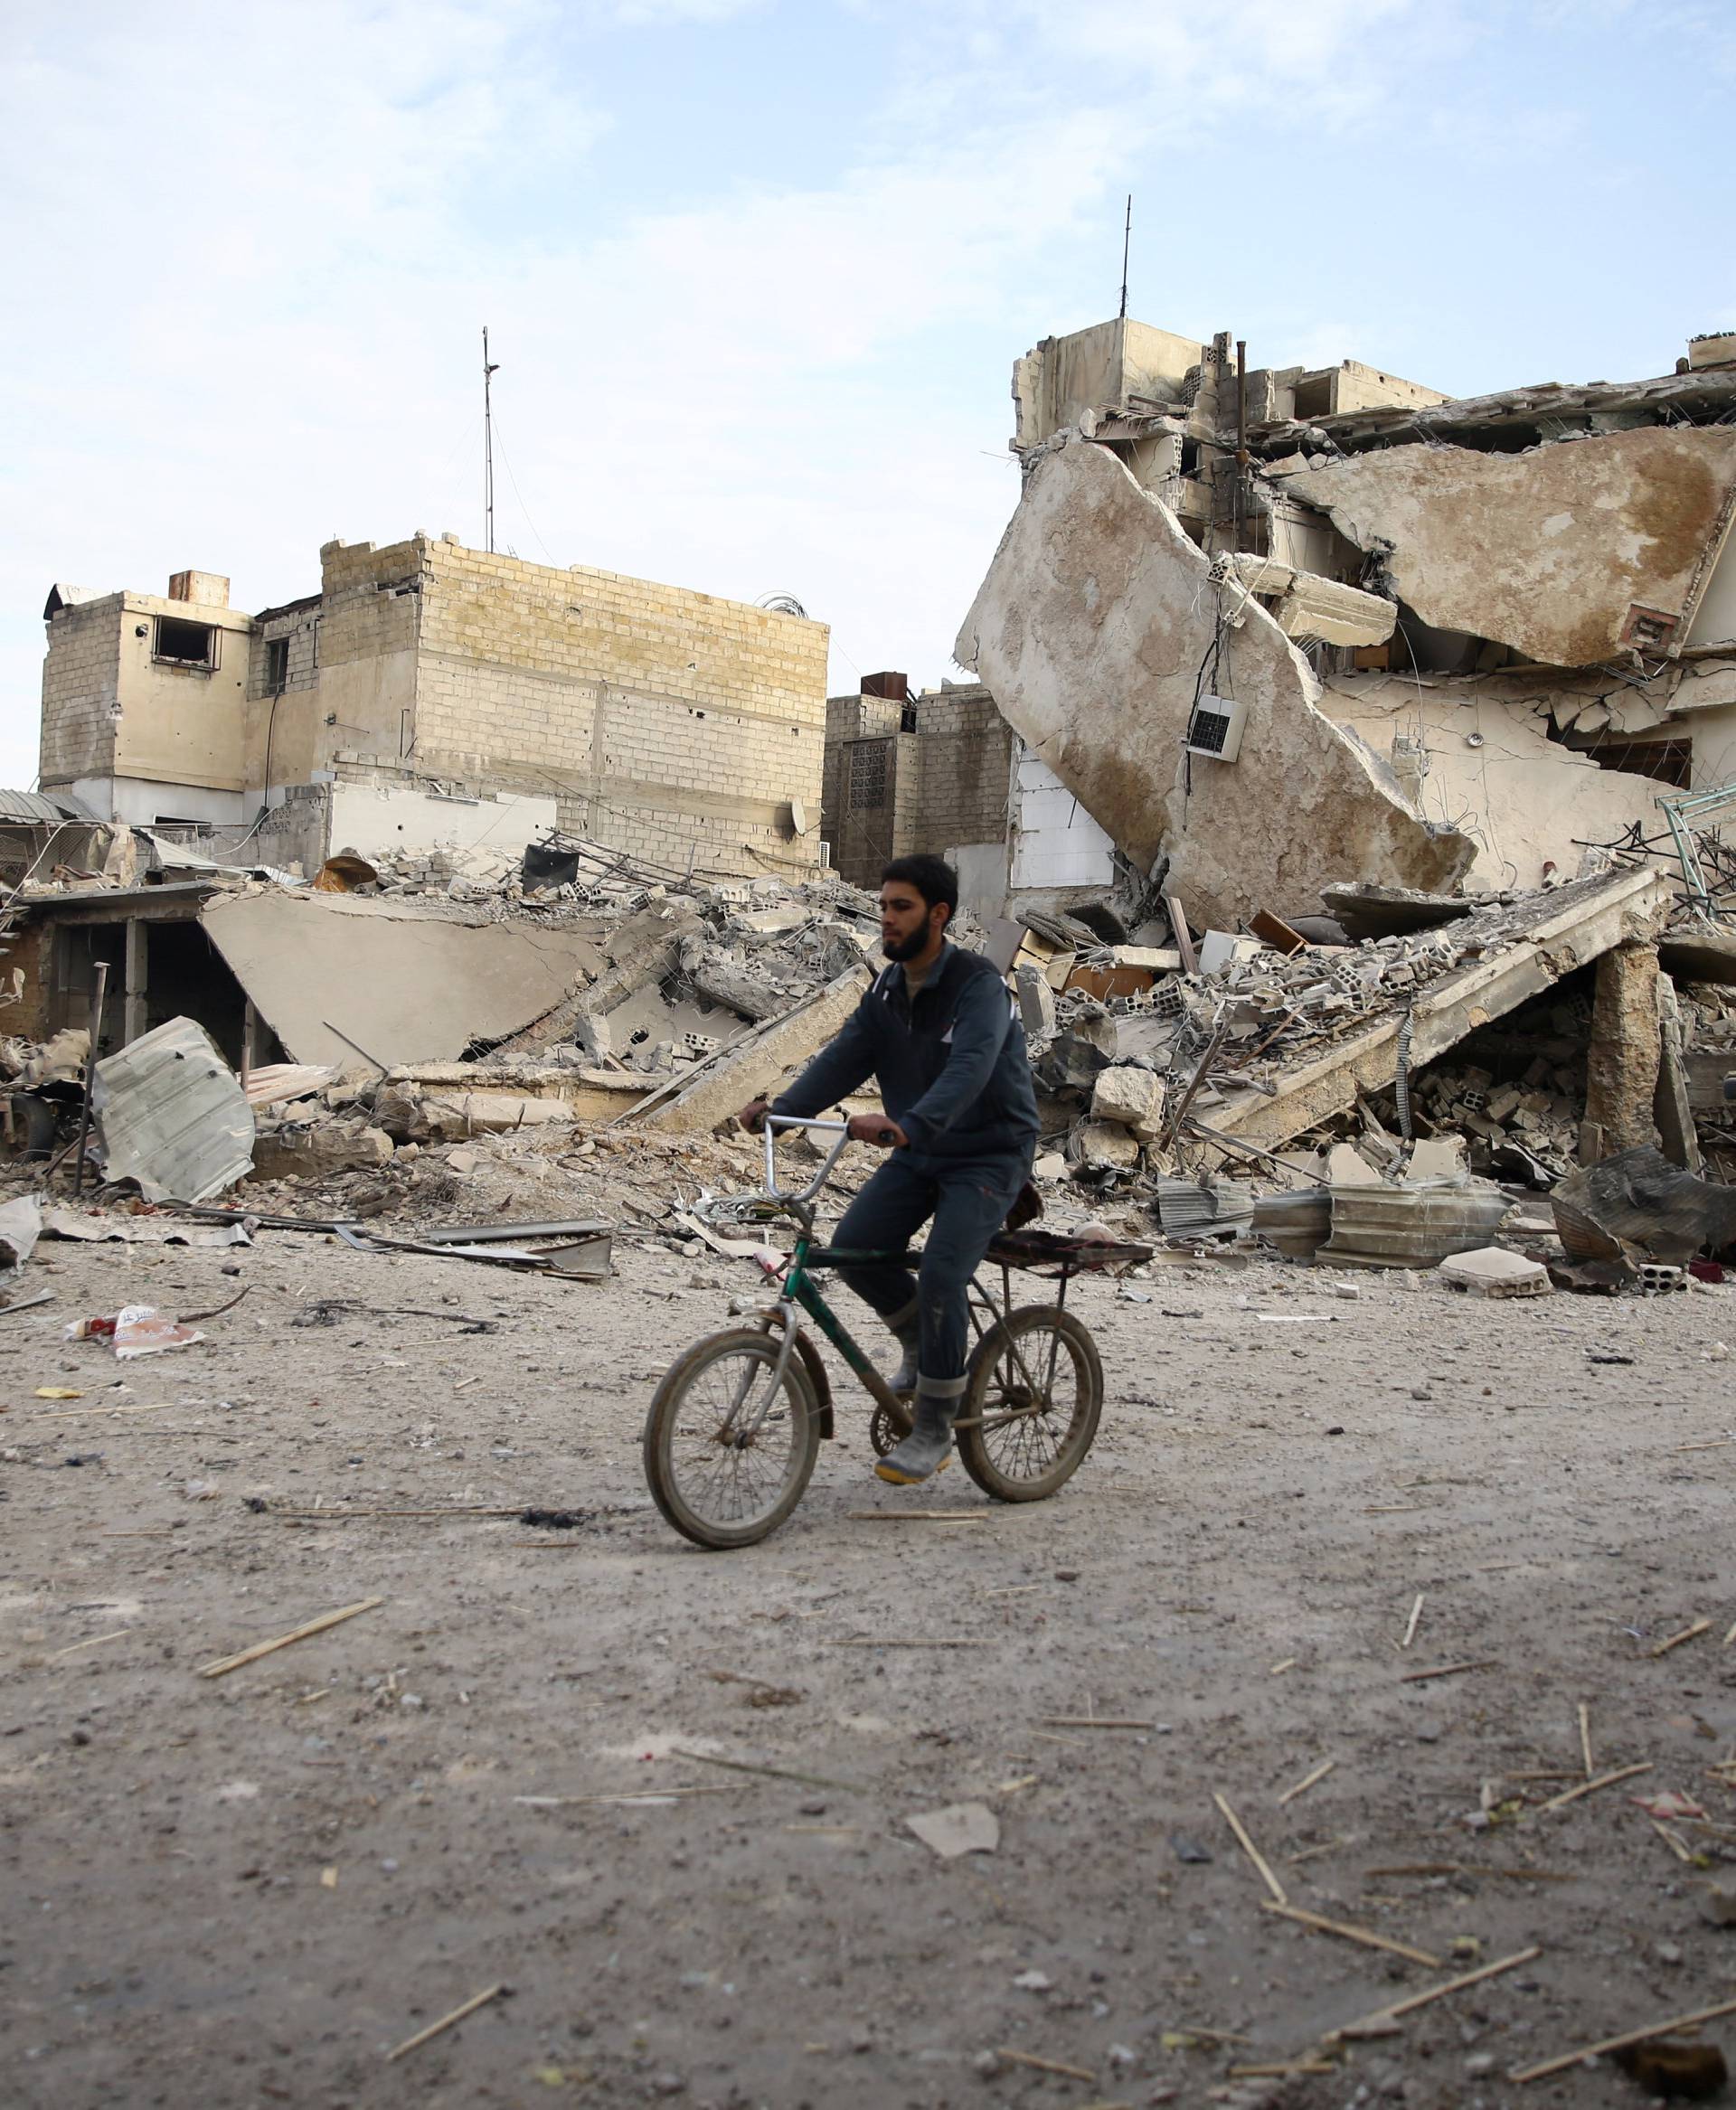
<point x="951" y="1066"/>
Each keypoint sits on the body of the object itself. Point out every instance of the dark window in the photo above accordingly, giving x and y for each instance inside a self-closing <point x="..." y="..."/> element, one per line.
<point x="183" y="643"/>
<point x="277" y="666"/>
<point x="1667" y="762"/>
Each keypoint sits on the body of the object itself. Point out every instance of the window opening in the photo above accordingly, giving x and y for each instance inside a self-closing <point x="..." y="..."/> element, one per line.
<point x="183" y="644"/>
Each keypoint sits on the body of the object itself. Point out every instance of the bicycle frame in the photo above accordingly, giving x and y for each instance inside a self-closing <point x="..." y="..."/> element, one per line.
<point x="799" y="1291"/>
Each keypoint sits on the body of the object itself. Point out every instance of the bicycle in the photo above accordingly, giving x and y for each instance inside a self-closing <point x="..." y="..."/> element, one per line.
<point x="735" y="1426"/>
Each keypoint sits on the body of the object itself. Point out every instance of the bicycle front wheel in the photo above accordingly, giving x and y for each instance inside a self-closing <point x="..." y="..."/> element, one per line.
<point x="728" y="1451"/>
<point x="1033" y="1394"/>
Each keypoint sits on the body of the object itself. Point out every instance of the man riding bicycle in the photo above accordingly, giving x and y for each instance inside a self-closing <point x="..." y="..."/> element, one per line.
<point x="940" y="1034"/>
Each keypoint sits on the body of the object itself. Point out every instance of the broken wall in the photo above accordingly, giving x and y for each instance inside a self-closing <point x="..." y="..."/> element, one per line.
<point x="1062" y="378"/>
<point x="1095" y="629"/>
<point x="1487" y="766"/>
<point x="1551" y="551"/>
<point x="662" y="717"/>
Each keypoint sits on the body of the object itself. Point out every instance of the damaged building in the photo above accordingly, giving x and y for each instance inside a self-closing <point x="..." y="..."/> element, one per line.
<point x="431" y="696"/>
<point x="1276" y="627"/>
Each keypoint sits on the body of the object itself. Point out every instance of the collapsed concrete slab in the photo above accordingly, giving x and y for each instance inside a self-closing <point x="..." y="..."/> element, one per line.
<point x="1550" y="936"/>
<point x="1096" y="629"/>
<point x="761" y="1060"/>
<point x="1570" y="554"/>
<point x="334" y="976"/>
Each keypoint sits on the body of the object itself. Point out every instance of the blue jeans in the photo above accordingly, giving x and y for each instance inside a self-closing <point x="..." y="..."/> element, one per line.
<point x="969" y="1199"/>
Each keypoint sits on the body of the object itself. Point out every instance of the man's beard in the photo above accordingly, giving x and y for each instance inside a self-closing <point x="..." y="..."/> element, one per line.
<point x="905" y="948"/>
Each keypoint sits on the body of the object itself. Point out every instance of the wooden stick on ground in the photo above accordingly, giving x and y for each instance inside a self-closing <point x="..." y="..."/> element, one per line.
<point x="114" y="1634"/>
<point x="1585" y="1738"/>
<point x="1410" y="1625"/>
<point x="1308" y="1781"/>
<point x="1730" y="1637"/>
<point x="343" y="1516"/>
<point x="1588" y="1787"/>
<point x="1421" y="1999"/>
<point x="1448" y="1671"/>
<point x="1090" y="1721"/>
<point x="1597" y="2050"/>
<point x="478" y="2000"/>
<point x="1676" y="1640"/>
<point x="60" y="1413"/>
<point x="1281" y="2070"/>
<point x="636" y="1795"/>
<point x="1251" y="1851"/>
<point x="891" y="1641"/>
<point x="770" y="1772"/>
<point x="224" y="1664"/>
<point x="917" y="1516"/>
<point x="1029" y="2058"/>
<point x="1466" y="1868"/>
<point x="216" y="1311"/>
<point x="1351" y="1934"/>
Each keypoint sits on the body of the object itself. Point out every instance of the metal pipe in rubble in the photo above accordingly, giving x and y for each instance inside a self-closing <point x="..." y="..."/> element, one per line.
<point x="97" y="995"/>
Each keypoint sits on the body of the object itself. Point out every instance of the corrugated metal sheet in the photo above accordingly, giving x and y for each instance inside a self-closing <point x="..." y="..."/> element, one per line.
<point x="171" y="1116"/>
<point x="37" y="805"/>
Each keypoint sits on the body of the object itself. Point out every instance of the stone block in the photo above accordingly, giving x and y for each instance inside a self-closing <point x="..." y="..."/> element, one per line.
<point x="1036" y="1003"/>
<point x="1493" y="1271"/>
<point x="315" y="1153"/>
<point x="1129" y="1095"/>
<point x="1103" y="1146"/>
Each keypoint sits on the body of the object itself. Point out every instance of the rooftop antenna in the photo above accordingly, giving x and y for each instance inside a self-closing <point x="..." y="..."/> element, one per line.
<point x="1127" y="244"/>
<point x="488" y="374"/>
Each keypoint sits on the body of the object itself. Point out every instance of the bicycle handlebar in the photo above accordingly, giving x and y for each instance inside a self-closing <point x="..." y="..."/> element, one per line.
<point x="771" y="1122"/>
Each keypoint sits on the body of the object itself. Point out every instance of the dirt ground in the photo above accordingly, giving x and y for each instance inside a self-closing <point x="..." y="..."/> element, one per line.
<point x="247" y="1890"/>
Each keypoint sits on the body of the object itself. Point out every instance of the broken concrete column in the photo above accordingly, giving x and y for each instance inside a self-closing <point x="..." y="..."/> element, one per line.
<point x="1098" y="626"/>
<point x="1678" y="1136"/>
<point x="1622" y="1061"/>
<point x="315" y="1153"/>
<point x="719" y="981"/>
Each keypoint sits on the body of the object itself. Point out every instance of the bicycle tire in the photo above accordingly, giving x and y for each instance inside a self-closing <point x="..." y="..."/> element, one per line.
<point x="663" y="1423"/>
<point x="998" y="1383"/>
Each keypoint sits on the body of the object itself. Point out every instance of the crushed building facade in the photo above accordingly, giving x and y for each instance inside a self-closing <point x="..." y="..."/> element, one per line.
<point x="1278" y="627"/>
<point x="431" y="696"/>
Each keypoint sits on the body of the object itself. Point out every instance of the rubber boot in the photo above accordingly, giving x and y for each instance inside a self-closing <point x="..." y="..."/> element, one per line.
<point x="903" y="1378"/>
<point x="928" y="1448"/>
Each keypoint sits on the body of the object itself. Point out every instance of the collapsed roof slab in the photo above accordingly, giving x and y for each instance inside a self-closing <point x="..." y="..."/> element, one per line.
<point x="1570" y="554"/>
<point x="1552" y="934"/>
<point x="1095" y="630"/>
<point x="352" y="982"/>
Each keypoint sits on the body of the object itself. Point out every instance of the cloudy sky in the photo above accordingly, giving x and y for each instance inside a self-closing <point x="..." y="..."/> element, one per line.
<point x="756" y="270"/>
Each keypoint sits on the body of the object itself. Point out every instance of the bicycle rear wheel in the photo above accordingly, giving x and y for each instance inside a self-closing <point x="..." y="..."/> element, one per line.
<point x="722" y="1472"/>
<point x="1033" y="1396"/>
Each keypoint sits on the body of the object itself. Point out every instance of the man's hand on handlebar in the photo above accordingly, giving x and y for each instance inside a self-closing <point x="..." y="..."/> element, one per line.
<point x="752" y="1116"/>
<point x="880" y="1130"/>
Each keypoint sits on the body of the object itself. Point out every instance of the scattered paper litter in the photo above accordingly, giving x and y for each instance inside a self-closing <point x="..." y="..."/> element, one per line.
<point x="136" y="1330"/>
<point x="960" y="1828"/>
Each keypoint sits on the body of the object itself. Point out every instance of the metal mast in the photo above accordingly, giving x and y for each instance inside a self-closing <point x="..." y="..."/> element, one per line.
<point x="488" y="374"/>
<point x="1127" y="244"/>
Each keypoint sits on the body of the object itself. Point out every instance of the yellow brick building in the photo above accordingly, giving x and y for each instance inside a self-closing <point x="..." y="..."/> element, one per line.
<point x="680" y="727"/>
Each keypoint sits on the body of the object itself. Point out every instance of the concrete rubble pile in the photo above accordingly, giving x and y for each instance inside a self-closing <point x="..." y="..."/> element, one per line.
<point x="1437" y="1076"/>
